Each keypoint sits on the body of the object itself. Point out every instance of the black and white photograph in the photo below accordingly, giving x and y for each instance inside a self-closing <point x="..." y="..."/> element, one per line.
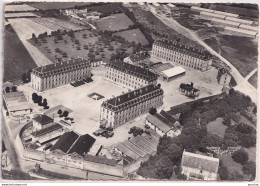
<point x="129" y="91"/>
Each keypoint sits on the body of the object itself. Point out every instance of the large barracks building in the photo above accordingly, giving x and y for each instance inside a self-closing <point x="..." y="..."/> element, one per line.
<point x="58" y="74"/>
<point x="182" y="54"/>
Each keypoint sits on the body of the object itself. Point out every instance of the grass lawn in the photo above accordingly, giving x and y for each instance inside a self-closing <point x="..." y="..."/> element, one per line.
<point x="114" y="22"/>
<point x="216" y="127"/>
<point x="232" y="166"/>
<point x="17" y="60"/>
<point x="133" y="35"/>
<point x="251" y="153"/>
<point x="253" y="80"/>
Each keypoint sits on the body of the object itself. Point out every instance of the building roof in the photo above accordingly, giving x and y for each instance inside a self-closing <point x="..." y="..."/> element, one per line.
<point x="43" y="119"/>
<point x="225" y="13"/>
<point x="223" y="71"/>
<point x="127" y="151"/>
<point x="158" y="68"/>
<point x="248" y="27"/>
<point x="47" y="130"/>
<point x="61" y="67"/>
<point x="139" y="56"/>
<point x="227" y="22"/>
<point x="134" y="148"/>
<point x="82" y="145"/>
<point x="242" y="31"/>
<point x="65" y="141"/>
<point x="174" y="71"/>
<point x="53" y="111"/>
<point x="202" y="9"/>
<point x="100" y="159"/>
<point x="141" y="145"/>
<point x="199" y="161"/>
<point x="119" y="101"/>
<point x="168" y="116"/>
<point x="185" y="49"/>
<point x="240" y="20"/>
<point x="213" y="15"/>
<point x="148" y="141"/>
<point x="133" y="70"/>
<point x="16" y="101"/>
<point x="158" y="123"/>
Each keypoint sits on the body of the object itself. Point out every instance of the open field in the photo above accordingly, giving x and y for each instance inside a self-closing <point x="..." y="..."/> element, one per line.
<point x="55" y="24"/>
<point x="240" y="51"/>
<point x="20" y="14"/>
<point x="114" y="22"/>
<point x="55" y="5"/>
<point x="216" y="127"/>
<point x="17" y="60"/>
<point x="24" y="28"/>
<point x="253" y="79"/>
<point x="84" y="44"/>
<point x="19" y="8"/>
<point x="133" y="35"/>
<point x="251" y="153"/>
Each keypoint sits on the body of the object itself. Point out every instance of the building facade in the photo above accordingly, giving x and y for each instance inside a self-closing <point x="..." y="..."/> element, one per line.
<point x="42" y="121"/>
<point x="183" y="55"/>
<point x="199" y="167"/>
<point x="130" y="76"/>
<point x="121" y="109"/>
<point x="58" y="74"/>
<point x="224" y="76"/>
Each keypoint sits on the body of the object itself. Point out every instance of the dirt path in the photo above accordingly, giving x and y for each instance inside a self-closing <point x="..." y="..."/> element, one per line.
<point x="251" y="74"/>
<point x="24" y="29"/>
<point x="242" y="84"/>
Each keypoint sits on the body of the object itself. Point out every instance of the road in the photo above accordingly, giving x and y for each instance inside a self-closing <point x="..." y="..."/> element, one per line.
<point x="242" y="84"/>
<point x="251" y="74"/>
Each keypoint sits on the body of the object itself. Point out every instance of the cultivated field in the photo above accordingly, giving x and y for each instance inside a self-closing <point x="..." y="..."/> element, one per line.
<point x="17" y="60"/>
<point x="133" y="35"/>
<point x="55" y="5"/>
<point x="18" y="8"/>
<point x="253" y="79"/>
<point x="84" y="44"/>
<point x="55" y="24"/>
<point x="24" y="28"/>
<point x="20" y="14"/>
<point x="114" y="22"/>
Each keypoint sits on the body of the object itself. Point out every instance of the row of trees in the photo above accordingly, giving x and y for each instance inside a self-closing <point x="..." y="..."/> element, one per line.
<point x="13" y="89"/>
<point x="40" y="101"/>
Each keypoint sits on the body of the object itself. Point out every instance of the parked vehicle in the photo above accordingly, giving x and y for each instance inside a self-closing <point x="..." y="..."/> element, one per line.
<point x="132" y="129"/>
<point x="110" y="134"/>
<point x="47" y="146"/>
<point x="99" y="132"/>
<point x="147" y="126"/>
<point x="110" y="128"/>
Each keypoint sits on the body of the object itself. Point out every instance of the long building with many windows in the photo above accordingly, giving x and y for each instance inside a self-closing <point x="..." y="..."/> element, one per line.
<point x="182" y="54"/>
<point x="58" y="74"/>
<point x="121" y="109"/>
<point x="129" y="75"/>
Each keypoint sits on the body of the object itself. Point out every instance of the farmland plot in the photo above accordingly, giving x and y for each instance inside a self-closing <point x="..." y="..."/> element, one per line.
<point x="19" y="8"/>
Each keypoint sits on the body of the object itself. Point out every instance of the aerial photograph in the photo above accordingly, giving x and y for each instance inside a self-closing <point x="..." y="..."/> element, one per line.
<point x="129" y="91"/>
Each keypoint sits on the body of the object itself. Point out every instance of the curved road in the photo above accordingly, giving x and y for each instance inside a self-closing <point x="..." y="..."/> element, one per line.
<point x="242" y="84"/>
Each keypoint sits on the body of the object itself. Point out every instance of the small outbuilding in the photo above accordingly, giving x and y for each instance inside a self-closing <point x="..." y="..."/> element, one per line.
<point x="173" y="73"/>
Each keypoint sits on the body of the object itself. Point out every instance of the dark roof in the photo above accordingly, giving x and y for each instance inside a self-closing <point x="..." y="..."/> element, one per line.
<point x="188" y="87"/>
<point x="100" y="159"/>
<point x="158" y="123"/>
<point x="223" y="71"/>
<point x="120" y="101"/>
<point x="199" y="161"/>
<point x="184" y="49"/>
<point x="46" y="130"/>
<point x="139" y="56"/>
<point x="65" y="141"/>
<point x="133" y="70"/>
<point x="43" y="119"/>
<point x="141" y="145"/>
<point x="168" y="117"/>
<point x="61" y="67"/>
<point x="82" y="145"/>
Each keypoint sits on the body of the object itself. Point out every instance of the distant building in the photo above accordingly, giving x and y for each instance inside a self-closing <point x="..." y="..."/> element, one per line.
<point x="121" y="109"/>
<point x="129" y="75"/>
<point x="158" y="67"/>
<point x="183" y="55"/>
<point x="58" y="74"/>
<point x="189" y="90"/>
<point x="173" y="73"/>
<point x="164" y="125"/>
<point x="199" y="167"/>
<point x="243" y="32"/>
<point x="16" y="103"/>
<point x="224" y="76"/>
<point x="136" y="59"/>
<point x="42" y="121"/>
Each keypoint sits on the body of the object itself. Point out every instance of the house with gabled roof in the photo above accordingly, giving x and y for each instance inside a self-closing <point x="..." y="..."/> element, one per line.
<point x="199" y="167"/>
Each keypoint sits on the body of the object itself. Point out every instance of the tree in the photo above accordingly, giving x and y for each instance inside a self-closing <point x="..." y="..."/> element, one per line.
<point x="14" y="89"/>
<point x="24" y="78"/>
<point x="7" y="89"/>
<point x="174" y="152"/>
<point x="29" y="75"/>
<point x="226" y="120"/>
<point x="33" y="35"/>
<point x="59" y="111"/>
<point x="249" y="168"/>
<point x="164" y="168"/>
<point x="39" y="100"/>
<point x="240" y="156"/>
<point x="34" y="97"/>
<point x="65" y="113"/>
<point x="223" y="173"/>
<point x="153" y="111"/>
